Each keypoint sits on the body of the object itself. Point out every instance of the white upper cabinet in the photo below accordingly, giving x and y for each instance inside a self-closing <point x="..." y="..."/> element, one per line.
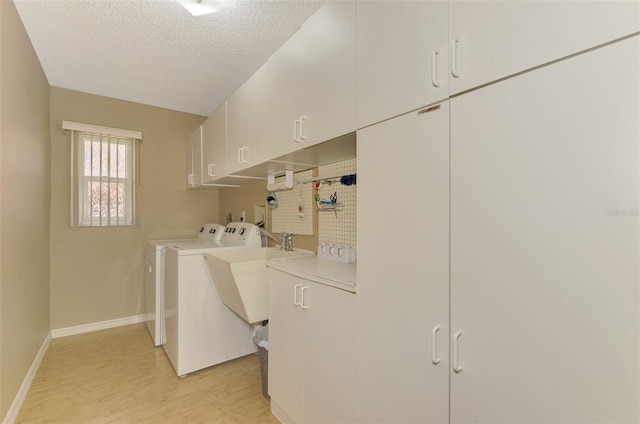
<point x="403" y="57"/>
<point x="194" y="159"/>
<point x="284" y="91"/>
<point x="313" y="80"/>
<point x="248" y="141"/>
<point x="194" y="139"/>
<point x="490" y="40"/>
<point x="214" y="146"/>
<point x="329" y="74"/>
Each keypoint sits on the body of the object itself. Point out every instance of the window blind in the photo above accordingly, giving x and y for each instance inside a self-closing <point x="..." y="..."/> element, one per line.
<point x="103" y="178"/>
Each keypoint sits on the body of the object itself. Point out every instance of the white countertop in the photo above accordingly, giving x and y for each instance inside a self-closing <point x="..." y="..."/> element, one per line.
<point x="330" y="273"/>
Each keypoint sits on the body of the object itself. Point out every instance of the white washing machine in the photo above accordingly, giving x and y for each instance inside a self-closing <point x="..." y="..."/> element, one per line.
<point x="154" y="278"/>
<point x="201" y="331"/>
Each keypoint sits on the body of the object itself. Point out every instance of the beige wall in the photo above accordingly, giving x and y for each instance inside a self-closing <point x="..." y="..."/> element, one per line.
<point x="236" y="200"/>
<point x="97" y="274"/>
<point x="24" y="205"/>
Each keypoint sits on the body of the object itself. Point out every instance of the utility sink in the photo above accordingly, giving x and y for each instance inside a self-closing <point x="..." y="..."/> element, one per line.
<point x="241" y="279"/>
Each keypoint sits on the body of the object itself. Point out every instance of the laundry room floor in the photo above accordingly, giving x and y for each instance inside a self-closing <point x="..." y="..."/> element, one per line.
<point x="118" y="376"/>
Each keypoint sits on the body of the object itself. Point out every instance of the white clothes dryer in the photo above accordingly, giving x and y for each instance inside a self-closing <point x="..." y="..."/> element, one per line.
<point x="154" y="278"/>
<point x="200" y="330"/>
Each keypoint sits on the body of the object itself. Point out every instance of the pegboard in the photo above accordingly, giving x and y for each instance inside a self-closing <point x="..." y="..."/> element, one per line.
<point x="338" y="227"/>
<point x="285" y="218"/>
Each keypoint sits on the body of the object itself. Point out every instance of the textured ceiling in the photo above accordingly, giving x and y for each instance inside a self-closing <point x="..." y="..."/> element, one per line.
<point x="153" y="51"/>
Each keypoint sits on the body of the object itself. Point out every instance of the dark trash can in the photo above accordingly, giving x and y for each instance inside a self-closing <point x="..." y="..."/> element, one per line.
<point x="261" y="338"/>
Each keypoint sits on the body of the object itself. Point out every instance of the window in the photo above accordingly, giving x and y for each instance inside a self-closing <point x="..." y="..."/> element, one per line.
<point x="103" y="175"/>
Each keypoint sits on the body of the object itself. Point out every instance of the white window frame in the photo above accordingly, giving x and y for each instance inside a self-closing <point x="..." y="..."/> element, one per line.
<point x="82" y="201"/>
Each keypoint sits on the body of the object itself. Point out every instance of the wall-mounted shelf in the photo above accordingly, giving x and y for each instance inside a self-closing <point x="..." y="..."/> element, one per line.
<point x="330" y="207"/>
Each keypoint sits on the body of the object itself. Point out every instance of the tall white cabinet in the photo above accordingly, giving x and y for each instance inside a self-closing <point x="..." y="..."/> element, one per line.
<point x="403" y="271"/>
<point x="508" y="286"/>
<point x="545" y="243"/>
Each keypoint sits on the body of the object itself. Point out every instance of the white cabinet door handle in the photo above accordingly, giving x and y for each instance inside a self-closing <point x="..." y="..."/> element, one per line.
<point x="434" y="345"/>
<point x="295" y="130"/>
<point x="434" y="68"/>
<point x="302" y="305"/>
<point x="302" y="136"/>
<point x="210" y="170"/>
<point x="454" y="57"/>
<point x="295" y="295"/>
<point x="456" y="365"/>
<point x="241" y="156"/>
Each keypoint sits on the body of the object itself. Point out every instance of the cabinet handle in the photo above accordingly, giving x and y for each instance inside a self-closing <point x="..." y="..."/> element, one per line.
<point x="295" y="295"/>
<point x="302" y="305"/>
<point x="456" y="366"/>
<point x="241" y="158"/>
<point x="210" y="170"/>
<point x="295" y="130"/>
<point x="454" y="57"/>
<point x="302" y="136"/>
<point x="434" y="345"/>
<point x="434" y="68"/>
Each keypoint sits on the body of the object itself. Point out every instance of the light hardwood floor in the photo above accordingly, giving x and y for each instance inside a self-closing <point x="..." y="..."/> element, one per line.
<point x="118" y="376"/>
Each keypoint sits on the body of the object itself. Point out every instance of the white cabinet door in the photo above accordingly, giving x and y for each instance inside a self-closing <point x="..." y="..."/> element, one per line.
<point x="329" y="73"/>
<point x="214" y="146"/>
<point x="330" y="354"/>
<point x="403" y="57"/>
<point x="312" y="355"/>
<point x="285" y="84"/>
<point x="247" y="123"/>
<point x="286" y="348"/>
<point x="313" y="80"/>
<point x="403" y="269"/>
<point x="194" y="158"/>
<point x="496" y="39"/>
<point x="545" y="243"/>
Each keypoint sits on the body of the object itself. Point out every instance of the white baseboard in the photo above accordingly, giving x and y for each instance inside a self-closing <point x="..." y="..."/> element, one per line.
<point x="12" y="413"/>
<point x="95" y="326"/>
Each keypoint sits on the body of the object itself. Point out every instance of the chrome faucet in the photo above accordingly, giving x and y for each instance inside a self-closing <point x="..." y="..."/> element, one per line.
<point x="286" y="242"/>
